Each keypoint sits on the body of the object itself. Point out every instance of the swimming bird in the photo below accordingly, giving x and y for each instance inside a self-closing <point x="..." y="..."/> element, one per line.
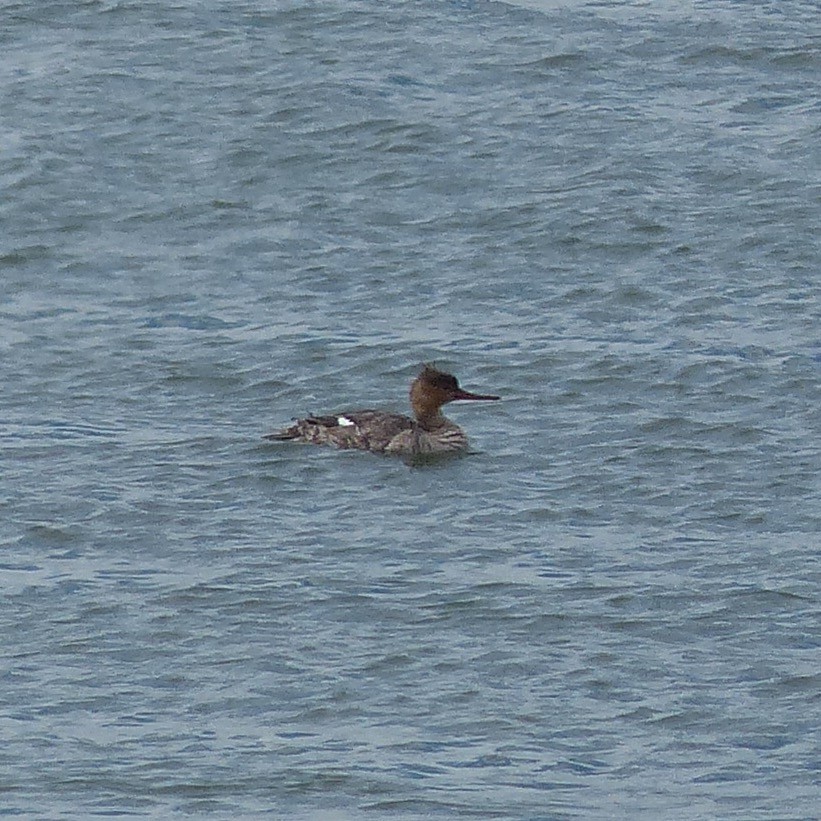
<point x="428" y="432"/>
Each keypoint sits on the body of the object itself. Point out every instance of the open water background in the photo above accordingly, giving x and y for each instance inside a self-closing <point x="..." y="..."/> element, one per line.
<point x="218" y="215"/>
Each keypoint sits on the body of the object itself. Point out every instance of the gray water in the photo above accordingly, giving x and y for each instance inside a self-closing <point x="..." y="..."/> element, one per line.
<point x="216" y="216"/>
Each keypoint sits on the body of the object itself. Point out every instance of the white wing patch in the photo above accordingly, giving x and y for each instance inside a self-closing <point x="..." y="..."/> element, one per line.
<point x="344" y="422"/>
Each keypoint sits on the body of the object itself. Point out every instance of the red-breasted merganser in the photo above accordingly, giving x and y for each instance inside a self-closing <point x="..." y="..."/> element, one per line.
<point x="381" y="432"/>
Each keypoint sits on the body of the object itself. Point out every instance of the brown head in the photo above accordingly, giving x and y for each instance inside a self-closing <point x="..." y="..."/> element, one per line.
<point x="432" y="389"/>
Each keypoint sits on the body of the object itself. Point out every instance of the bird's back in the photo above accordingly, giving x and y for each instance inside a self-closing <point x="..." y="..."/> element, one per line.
<point x="363" y="429"/>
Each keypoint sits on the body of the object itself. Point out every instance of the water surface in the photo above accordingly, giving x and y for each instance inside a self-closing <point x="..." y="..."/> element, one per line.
<point x="217" y="216"/>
